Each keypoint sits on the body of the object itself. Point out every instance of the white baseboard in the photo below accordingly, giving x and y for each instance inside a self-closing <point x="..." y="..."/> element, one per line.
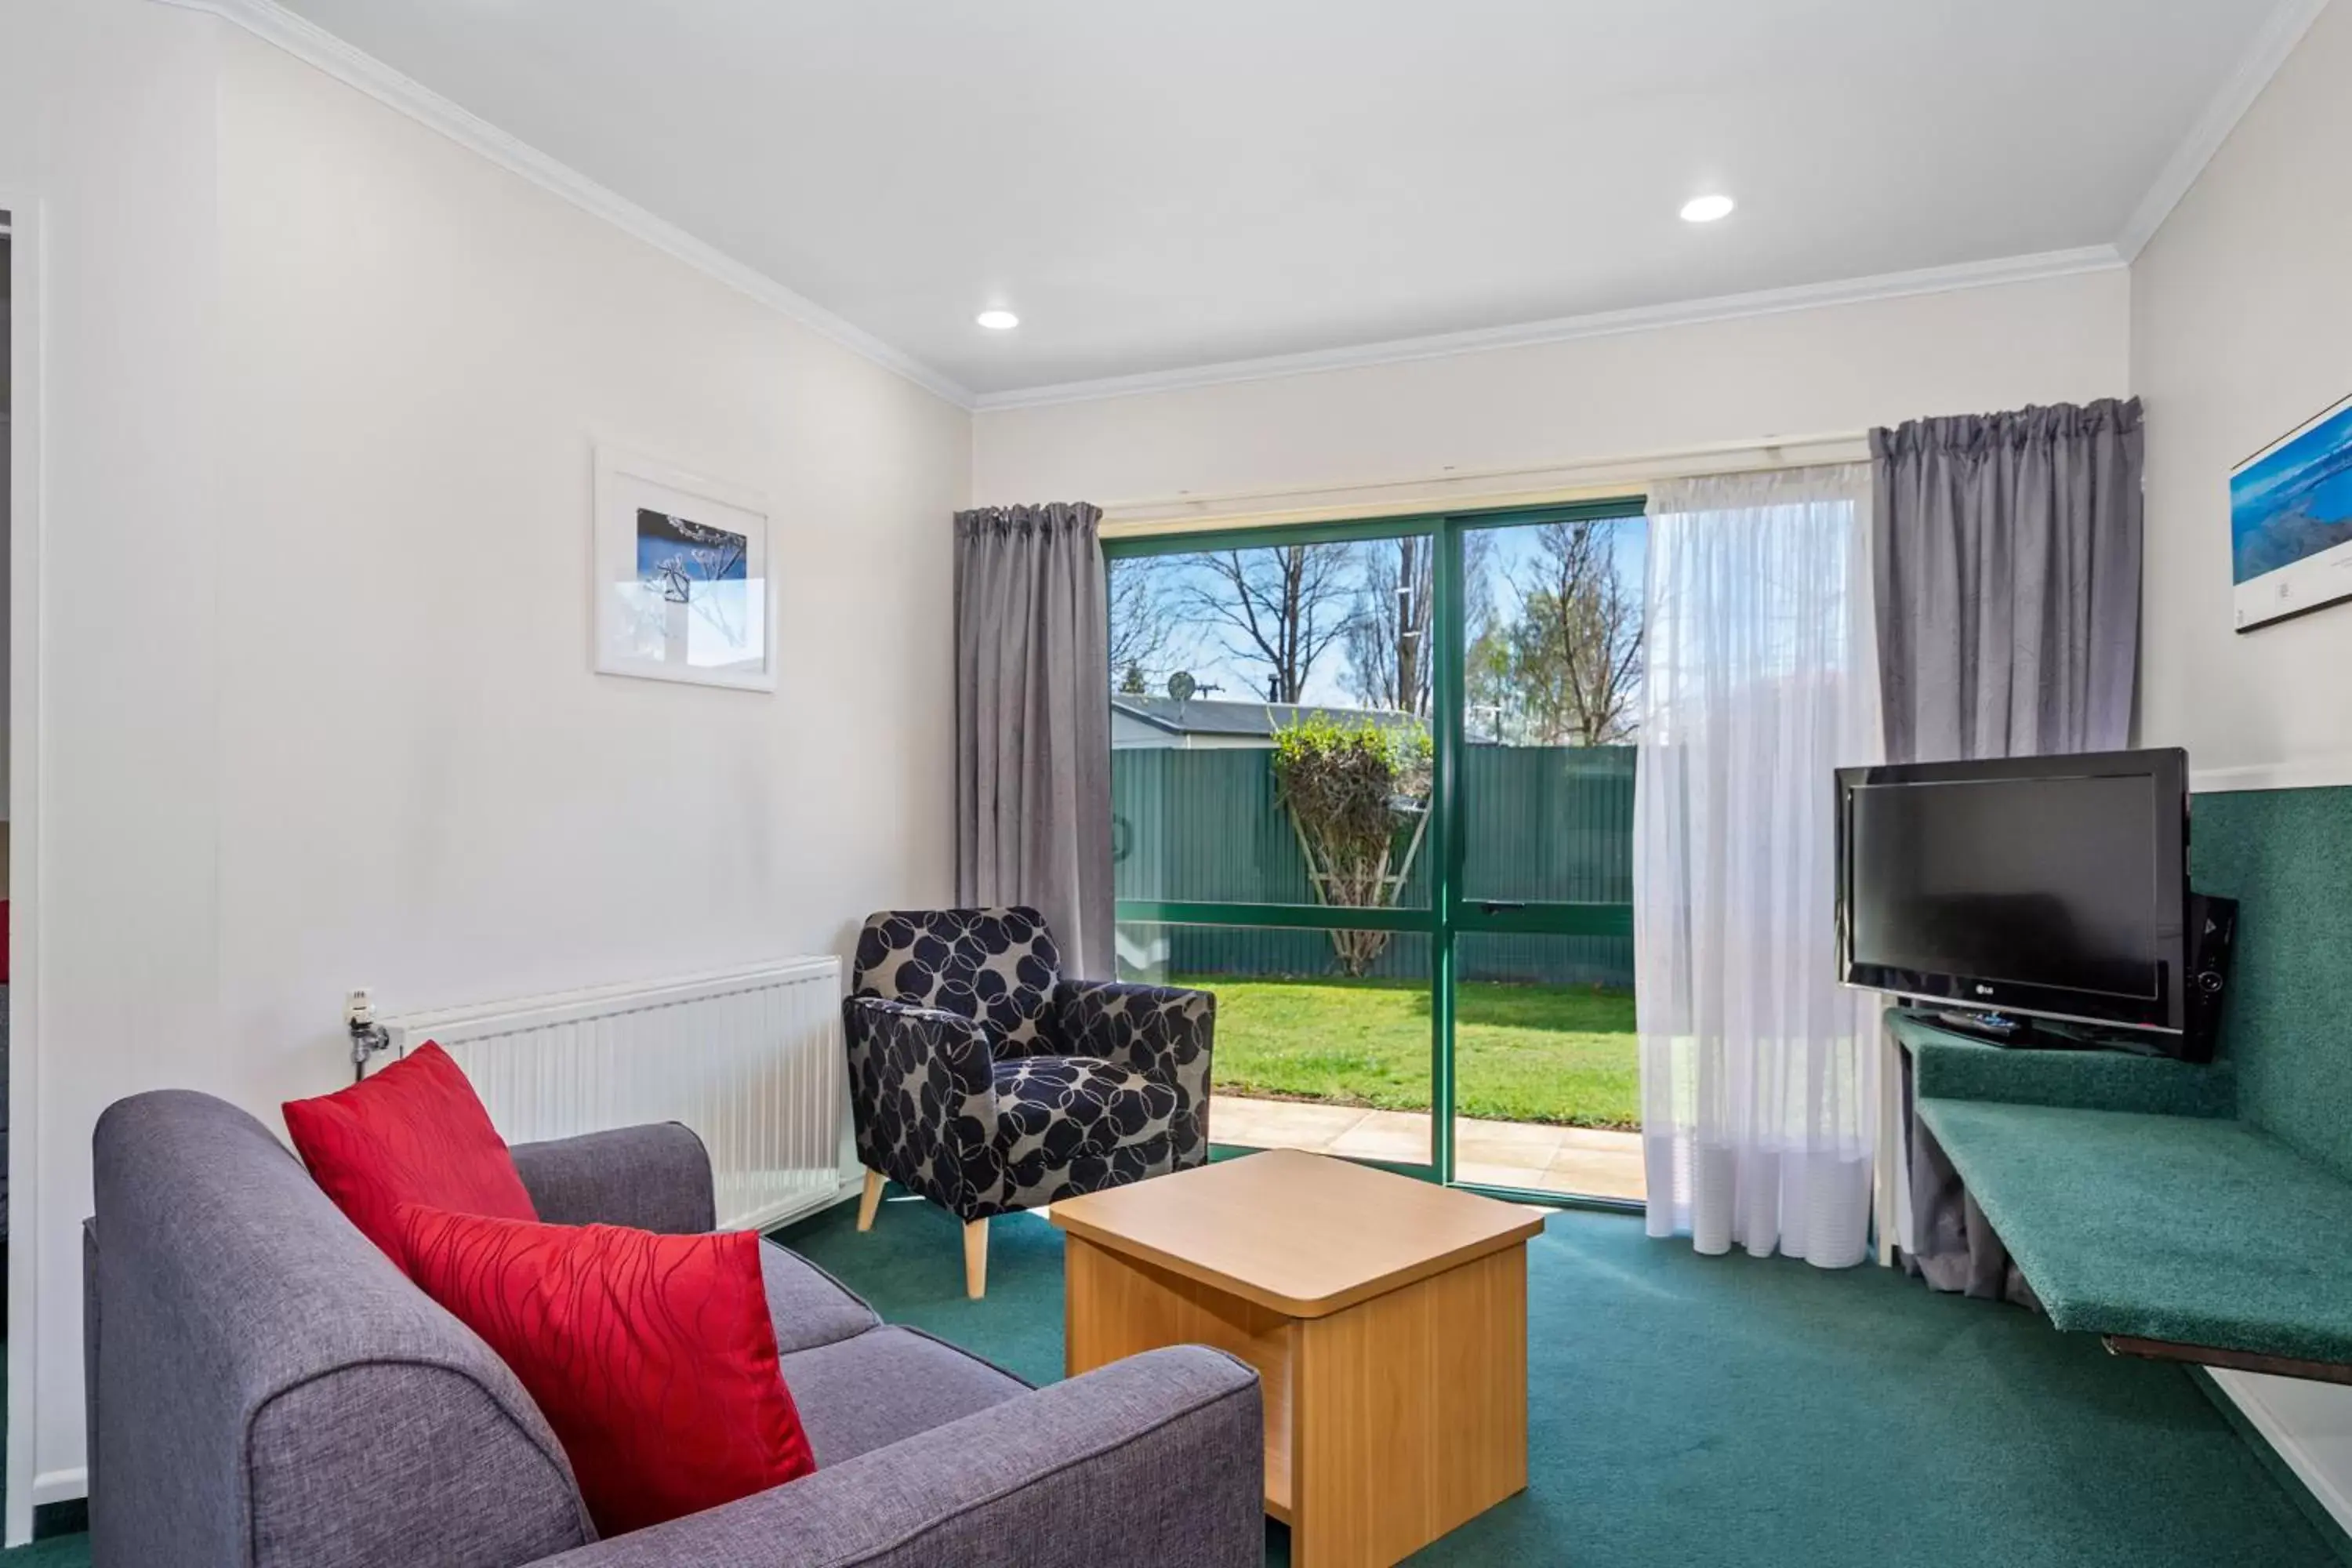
<point x="2313" y="1438"/>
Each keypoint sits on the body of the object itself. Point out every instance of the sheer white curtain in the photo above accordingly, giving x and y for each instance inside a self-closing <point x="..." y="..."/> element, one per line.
<point x="1758" y="1070"/>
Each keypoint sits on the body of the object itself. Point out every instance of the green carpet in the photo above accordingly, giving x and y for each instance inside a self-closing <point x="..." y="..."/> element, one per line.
<point x="1694" y="1412"/>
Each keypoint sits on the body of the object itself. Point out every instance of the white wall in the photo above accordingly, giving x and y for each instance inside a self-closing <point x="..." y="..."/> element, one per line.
<point x="2241" y="328"/>
<point x="106" y="144"/>
<point x="1835" y="369"/>
<point x="320" y="390"/>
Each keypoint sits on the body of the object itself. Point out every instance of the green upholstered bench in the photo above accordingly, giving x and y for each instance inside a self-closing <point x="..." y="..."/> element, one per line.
<point x="1946" y="1066"/>
<point x="2139" y="1209"/>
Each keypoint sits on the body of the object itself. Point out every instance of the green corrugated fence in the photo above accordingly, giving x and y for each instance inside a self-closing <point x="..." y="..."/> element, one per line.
<point x="1544" y="823"/>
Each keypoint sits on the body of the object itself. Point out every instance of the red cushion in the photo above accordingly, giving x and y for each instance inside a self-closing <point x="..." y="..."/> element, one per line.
<point x="411" y="1133"/>
<point x="652" y="1356"/>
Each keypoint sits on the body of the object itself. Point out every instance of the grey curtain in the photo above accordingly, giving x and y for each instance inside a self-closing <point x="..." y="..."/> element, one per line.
<point x="1033" y="721"/>
<point x="1952" y="1246"/>
<point x="2007" y="554"/>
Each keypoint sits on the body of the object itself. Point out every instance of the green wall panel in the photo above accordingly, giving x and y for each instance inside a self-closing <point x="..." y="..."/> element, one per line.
<point x="2286" y="857"/>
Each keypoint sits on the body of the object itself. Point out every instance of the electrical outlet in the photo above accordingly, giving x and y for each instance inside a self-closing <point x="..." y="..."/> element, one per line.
<point x="359" y="1008"/>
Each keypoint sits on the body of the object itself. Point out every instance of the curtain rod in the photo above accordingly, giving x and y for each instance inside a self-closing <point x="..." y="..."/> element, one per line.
<point x="1581" y="478"/>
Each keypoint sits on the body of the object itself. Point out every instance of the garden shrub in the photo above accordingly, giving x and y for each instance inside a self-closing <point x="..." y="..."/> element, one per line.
<point x="1358" y="795"/>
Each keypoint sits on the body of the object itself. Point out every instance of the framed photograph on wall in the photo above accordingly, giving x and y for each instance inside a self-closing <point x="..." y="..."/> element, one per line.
<point x="2291" y="522"/>
<point x="682" y="586"/>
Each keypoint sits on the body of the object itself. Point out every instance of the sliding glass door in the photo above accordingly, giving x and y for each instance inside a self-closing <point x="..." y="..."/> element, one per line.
<point x="1546" y="1088"/>
<point x="1370" y="786"/>
<point x="1257" y="682"/>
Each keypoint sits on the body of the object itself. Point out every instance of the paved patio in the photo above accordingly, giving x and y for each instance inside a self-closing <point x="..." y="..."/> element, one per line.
<point x="1578" y="1161"/>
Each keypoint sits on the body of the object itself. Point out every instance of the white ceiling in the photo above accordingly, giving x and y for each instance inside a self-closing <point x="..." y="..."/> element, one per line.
<point x="1155" y="186"/>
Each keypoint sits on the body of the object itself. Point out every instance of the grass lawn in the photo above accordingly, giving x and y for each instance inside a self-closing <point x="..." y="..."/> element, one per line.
<point x="1523" y="1053"/>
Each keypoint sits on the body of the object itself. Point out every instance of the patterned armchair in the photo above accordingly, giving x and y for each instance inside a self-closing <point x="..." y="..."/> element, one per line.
<point x="983" y="1080"/>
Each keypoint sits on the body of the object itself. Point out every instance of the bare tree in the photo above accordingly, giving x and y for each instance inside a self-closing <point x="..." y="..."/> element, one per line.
<point x="1567" y="671"/>
<point x="1142" y="621"/>
<point x="1281" y="607"/>
<point x="1389" y="656"/>
<point x="1391" y="662"/>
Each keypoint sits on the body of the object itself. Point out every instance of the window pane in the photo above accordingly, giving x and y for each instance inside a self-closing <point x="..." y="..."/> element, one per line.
<point x="1552" y="647"/>
<point x="1226" y="665"/>
<point x="1323" y="1037"/>
<point x="1547" y="1086"/>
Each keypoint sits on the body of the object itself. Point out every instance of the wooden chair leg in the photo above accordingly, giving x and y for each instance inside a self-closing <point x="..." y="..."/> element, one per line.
<point x="870" y="1200"/>
<point x="975" y="1259"/>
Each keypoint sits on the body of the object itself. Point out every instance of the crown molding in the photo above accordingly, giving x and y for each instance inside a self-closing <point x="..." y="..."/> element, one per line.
<point x="314" y="45"/>
<point x="1568" y="329"/>
<point x="2289" y="21"/>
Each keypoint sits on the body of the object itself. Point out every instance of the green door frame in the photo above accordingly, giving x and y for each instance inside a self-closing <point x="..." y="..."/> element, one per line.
<point x="1450" y="913"/>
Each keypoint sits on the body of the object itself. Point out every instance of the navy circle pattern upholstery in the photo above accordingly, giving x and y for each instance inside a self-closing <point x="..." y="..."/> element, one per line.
<point x="982" y="1080"/>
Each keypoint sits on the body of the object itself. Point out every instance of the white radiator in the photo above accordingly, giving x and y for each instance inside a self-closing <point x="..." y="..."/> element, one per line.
<point x="751" y="1059"/>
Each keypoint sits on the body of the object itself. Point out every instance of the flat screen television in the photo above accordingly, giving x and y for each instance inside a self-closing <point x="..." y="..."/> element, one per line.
<point x="2048" y="886"/>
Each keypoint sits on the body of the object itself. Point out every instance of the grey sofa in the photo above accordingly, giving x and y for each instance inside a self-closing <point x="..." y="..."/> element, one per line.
<point x="266" y="1389"/>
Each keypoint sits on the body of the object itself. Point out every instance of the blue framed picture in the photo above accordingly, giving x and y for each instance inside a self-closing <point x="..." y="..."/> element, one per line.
<point x="683" y="589"/>
<point x="2291" y="522"/>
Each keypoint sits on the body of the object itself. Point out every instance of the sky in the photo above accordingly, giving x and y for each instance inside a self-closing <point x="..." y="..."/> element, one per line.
<point x="1203" y="648"/>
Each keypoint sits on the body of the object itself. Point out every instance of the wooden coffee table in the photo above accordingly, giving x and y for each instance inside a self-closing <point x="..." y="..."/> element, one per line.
<point x="1388" y="1317"/>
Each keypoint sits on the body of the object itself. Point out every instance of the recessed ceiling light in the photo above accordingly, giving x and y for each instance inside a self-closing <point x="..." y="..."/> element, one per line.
<point x="998" y="320"/>
<point x="1706" y="209"/>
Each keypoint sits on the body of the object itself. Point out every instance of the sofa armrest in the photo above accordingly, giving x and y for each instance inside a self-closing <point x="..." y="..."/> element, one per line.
<point x="1162" y="1031"/>
<point x="1156" y="1460"/>
<point x="655" y="1178"/>
<point x="922" y="1096"/>
<point x="271" y="1391"/>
